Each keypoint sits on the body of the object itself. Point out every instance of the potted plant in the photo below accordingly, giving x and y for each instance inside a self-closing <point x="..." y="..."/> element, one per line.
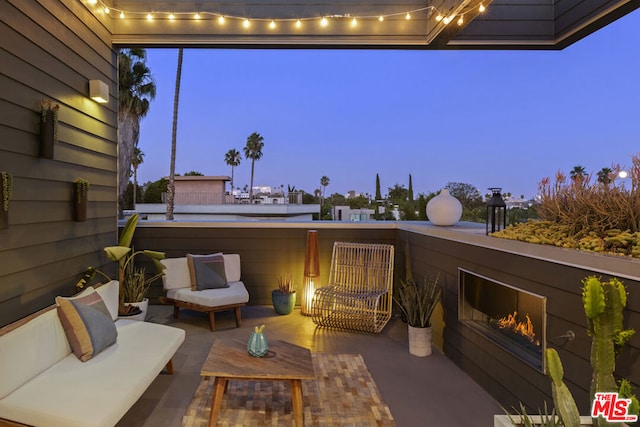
<point x="80" y="198"/>
<point x="417" y="302"/>
<point x="284" y="298"/>
<point x="133" y="281"/>
<point x="48" y="127"/>
<point x="603" y="302"/>
<point x="6" y="184"/>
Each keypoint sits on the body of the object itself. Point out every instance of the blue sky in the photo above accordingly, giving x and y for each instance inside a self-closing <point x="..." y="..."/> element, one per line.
<point x="487" y="118"/>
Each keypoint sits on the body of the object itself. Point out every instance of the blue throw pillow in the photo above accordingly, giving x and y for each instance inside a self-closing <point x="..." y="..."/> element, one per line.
<point x="207" y="271"/>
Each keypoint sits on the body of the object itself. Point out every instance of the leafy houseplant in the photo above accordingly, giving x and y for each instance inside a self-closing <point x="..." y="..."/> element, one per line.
<point x="80" y="192"/>
<point x="417" y="302"/>
<point x="133" y="281"/>
<point x="48" y="127"/>
<point x="6" y="184"/>
<point x="284" y="298"/>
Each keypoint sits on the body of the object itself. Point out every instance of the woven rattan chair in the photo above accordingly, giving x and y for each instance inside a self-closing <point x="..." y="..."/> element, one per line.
<point x="359" y="294"/>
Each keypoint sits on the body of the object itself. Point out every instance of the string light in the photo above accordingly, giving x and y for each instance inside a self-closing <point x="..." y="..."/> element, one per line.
<point x="273" y="23"/>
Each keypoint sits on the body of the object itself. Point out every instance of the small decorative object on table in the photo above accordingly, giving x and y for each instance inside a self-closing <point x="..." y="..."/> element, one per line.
<point x="444" y="209"/>
<point x="257" y="345"/>
<point x="284" y="298"/>
<point x="48" y="127"/>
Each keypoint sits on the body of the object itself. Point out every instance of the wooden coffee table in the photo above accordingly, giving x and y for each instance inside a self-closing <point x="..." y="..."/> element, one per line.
<point x="229" y="360"/>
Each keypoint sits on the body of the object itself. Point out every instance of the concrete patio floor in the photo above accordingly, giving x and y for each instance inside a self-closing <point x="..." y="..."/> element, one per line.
<point x="430" y="391"/>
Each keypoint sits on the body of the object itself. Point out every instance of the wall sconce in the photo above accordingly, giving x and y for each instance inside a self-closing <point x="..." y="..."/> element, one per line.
<point x="311" y="273"/>
<point x="496" y="211"/>
<point x="99" y="91"/>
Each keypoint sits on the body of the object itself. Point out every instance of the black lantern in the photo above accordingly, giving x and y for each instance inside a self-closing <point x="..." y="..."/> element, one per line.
<point x="496" y="211"/>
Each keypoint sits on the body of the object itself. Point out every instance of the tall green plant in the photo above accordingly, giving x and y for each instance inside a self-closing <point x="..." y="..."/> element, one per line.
<point x="128" y="276"/>
<point x="604" y="303"/>
<point x="417" y="301"/>
<point x="562" y="398"/>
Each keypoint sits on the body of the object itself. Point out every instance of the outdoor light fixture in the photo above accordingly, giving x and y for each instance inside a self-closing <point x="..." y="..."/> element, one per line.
<point x="496" y="211"/>
<point x="623" y="174"/>
<point x="311" y="272"/>
<point x="99" y="91"/>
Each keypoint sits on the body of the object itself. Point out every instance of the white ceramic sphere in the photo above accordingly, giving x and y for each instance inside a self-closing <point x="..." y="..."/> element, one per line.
<point x="444" y="209"/>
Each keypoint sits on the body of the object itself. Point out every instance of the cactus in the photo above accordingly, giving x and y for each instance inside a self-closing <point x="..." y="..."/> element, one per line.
<point x="603" y="306"/>
<point x="562" y="398"/>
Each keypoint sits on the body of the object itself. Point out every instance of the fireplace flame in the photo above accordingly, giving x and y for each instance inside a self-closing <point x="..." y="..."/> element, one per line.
<point x="520" y="327"/>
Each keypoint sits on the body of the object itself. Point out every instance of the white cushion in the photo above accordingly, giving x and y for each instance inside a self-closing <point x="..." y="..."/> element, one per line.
<point x="236" y="293"/>
<point x="31" y="349"/>
<point x="176" y="274"/>
<point x="98" y="392"/>
<point x="232" y="267"/>
<point x="109" y="292"/>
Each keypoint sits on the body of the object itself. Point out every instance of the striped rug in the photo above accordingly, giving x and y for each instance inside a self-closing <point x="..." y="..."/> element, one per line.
<point x="343" y="394"/>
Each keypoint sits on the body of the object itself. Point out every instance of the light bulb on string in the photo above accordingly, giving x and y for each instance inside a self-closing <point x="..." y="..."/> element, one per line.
<point x="439" y="18"/>
<point x="408" y="16"/>
<point x="381" y="18"/>
<point x="298" y="24"/>
<point x="482" y="8"/>
<point x="149" y="17"/>
<point x="354" y="22"/>
<point x="272" y="24"/>
<point x="196" y="16"/>
<point x="106" y="10"/>
<point x="246" y="23"/>
<point x="324" y="22"/>
<point x="121" y="15"/>
<point x="460" y="21"/>
<point x="221" y="20"/>
<point x="171" y="17"/>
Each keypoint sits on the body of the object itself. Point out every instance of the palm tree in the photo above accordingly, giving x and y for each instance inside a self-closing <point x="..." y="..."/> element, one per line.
<point x="136" y="88"/>
<point x="138" y="159"/>
<point x="171" y="188"/>
<point x="233" y="159"/>
<point x="604" y="176"/>
<point x="324" y="181"/>
<point x="253" y="151"/>
<point x="578" y="173"/>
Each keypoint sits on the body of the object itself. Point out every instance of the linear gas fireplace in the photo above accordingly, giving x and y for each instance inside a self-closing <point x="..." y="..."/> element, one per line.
<point x="510" y="317"/>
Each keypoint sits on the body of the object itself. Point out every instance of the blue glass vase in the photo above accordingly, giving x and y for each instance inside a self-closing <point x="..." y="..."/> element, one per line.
<point x="258" y="345"/>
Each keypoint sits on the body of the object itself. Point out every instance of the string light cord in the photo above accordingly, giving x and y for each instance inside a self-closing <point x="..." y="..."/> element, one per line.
<point x="221" y="17"/>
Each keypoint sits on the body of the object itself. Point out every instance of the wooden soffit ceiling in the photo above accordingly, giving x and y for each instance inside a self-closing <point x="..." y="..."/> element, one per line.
<point x="379" y="24"/>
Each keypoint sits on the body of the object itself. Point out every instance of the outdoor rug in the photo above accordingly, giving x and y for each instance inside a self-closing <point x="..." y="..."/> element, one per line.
<point x="343" y="394"/>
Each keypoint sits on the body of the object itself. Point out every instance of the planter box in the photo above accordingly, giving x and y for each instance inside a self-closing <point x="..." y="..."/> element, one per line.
<point x="505" y="421"/>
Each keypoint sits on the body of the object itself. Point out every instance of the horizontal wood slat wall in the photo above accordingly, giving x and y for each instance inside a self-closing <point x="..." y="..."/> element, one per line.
<point x="265" y="253"/>
<point x="503" y="375"/>
<point x="50" y="50"/>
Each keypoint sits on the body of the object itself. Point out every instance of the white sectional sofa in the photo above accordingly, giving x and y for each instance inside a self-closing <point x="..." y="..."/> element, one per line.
<point x="177" y="282"/>
<point x="43" y="383"/>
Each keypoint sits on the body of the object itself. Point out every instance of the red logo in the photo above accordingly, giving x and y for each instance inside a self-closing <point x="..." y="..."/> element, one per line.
<point x="613" y="409"/>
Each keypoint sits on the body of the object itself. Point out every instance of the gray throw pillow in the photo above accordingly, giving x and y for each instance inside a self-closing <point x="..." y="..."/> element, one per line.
<point x="207" y="271"/>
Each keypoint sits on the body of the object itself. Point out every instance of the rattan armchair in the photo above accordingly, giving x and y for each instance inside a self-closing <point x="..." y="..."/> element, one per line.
<point x="360" y="289"/>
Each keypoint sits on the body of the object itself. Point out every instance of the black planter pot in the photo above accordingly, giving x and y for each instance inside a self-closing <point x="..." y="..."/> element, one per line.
<point x="79" y="206"/>
<point x="4" y="219"/>
<point x="47" y="135"/>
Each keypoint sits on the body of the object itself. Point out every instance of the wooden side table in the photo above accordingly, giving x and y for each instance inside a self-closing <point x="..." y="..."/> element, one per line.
<point x="229" y="360"/>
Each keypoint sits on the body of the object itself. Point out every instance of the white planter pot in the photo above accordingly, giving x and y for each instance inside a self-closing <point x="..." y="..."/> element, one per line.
<point x="144" y="305"/>
<point x="444" y="209"/>
<point x="420" y="341"/>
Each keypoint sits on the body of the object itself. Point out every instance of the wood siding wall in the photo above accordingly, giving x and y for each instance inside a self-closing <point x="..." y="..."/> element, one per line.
<point x="503" y="375"/>
<point x="50" y="50"/>
<point x="265" y="253"/>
